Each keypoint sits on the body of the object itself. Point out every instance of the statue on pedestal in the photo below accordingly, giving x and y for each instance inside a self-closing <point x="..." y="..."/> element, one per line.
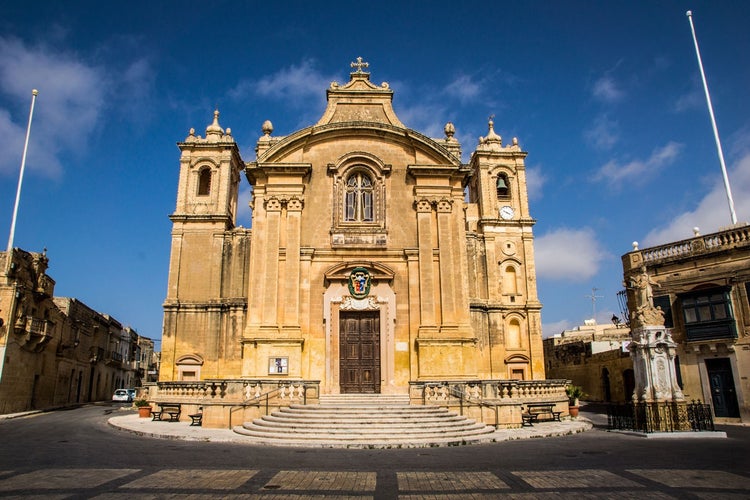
<point x="652" y="348"/>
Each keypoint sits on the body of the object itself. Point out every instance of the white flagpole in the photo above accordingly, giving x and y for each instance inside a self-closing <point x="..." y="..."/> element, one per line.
<point x="8" y="257"/>
<point x="713" y="122"/>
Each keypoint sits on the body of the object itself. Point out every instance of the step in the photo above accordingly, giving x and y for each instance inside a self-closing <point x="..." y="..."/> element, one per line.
<point x="364" y="420"/>
<point x="364" y="399"/>
<point x="347" y="434"/>
<point x="367" y="427"/>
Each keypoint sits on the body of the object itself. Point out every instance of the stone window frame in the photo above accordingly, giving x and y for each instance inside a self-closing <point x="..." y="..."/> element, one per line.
<point x="351" y="164"/>
<point x="204" y="180"/>
<point x="189" y="363"/>
<point x="518" y="287"/>
<point x="522" y="332"/>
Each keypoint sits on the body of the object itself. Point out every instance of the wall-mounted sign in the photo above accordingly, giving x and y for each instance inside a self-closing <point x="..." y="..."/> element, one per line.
<point x="278" y="366"/>
<point x="359" y="283"/>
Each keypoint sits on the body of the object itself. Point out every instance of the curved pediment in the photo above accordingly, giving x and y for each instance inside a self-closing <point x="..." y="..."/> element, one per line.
<point x="190" y="359"/>
<point x="358" y="109"/>
<point x="517" y="358"/>
<point x="342" y="271"/>
<point x="303" y="140"/>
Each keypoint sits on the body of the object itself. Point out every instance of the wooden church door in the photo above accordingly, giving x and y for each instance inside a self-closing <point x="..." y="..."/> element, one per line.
<point x="359" y="351"/>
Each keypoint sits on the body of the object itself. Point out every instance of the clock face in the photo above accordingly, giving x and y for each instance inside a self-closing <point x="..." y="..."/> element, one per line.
<point x="507" y="212"/>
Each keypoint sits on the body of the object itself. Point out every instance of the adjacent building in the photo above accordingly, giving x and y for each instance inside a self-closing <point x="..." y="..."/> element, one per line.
<point x="701" y="285"/>
<point x="56" y="351"/>
<point x="595" y="357"/>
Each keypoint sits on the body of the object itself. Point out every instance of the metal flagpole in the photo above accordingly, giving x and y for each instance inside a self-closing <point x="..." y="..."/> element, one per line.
<point x="8" y="257"/>
<point x="713" y="122"/>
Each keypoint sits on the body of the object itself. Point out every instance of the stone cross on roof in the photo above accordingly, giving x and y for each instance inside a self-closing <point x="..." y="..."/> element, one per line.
<point x="359" y="65"/>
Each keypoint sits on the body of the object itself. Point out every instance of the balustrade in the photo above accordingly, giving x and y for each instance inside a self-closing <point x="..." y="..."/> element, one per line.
<point x="493" y="390"/>
<point x="725" y="239"/>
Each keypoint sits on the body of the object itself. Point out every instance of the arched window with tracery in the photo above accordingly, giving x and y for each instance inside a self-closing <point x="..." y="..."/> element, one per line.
<point x="359" y="198"/>
<point x="204" y="182"/>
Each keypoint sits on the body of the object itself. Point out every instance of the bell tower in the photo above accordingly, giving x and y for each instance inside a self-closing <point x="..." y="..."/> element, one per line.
<point x="207" y="252"/>
<point x="209" y="178"/>
<point x="500" y="226"/>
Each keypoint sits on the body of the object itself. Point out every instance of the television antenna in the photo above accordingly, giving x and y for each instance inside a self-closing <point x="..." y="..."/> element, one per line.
<point x="593" y="298"/>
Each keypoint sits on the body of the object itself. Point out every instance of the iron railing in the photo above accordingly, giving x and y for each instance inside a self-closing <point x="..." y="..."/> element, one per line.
<point x="660" y="417"/>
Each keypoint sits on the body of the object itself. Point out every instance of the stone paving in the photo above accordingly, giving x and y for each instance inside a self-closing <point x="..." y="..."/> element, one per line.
<point x="301" y="484"/>
<point x="491" y="481"/>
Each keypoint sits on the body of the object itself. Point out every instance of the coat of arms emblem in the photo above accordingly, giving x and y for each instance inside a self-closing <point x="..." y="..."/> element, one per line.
<point x="359" y="283"/>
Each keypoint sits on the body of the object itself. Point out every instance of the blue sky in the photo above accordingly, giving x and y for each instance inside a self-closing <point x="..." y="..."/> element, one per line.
<point x="605" y="96"/>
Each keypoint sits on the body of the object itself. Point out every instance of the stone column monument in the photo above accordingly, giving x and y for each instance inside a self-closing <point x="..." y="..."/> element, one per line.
<point x="652" y="347"/>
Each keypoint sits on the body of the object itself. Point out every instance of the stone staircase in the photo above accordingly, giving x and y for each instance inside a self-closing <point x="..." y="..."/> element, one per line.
<point x="365" y="421"/>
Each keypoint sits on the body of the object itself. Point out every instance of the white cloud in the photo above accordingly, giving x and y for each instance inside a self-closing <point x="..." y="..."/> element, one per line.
<point x="67" y="111"/>
<point x="464" y="88"/>
<point x="535" y="180"/>
<point x="690" y="101"/>
<point x="712" y="212"/>
<point x="603" y="133"/>
<point x="296" y="82"/>
<point x="568" y="254"/>
<point x="606" y="89"/>
<point x="639" y="171"/>
<point x="556" y="328"/>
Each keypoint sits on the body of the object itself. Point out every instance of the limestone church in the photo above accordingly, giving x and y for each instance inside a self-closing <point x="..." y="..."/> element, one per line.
<point x="375" y="259"/>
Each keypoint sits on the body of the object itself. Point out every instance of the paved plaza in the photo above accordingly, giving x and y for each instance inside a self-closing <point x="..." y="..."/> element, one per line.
<point x="80" y="454"/>
<point x="304" y="484"/>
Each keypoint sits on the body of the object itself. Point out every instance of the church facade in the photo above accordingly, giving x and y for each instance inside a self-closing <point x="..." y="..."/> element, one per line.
<point x="375" y="258"/>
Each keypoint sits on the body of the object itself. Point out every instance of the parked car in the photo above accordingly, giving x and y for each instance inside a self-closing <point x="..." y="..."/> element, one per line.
<point x="122" y="395"/>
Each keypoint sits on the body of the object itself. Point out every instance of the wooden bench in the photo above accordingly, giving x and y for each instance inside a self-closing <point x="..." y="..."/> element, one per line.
<point x="197" y="417"/>
<point x="174" y="410"/>
<point x="534" y="410"/>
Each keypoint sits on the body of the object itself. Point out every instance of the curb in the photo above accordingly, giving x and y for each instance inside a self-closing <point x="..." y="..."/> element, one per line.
<point x="183" y="431"/>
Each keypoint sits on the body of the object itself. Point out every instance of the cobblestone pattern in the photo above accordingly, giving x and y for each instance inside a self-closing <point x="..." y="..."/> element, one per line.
<point x="116" y="484"/>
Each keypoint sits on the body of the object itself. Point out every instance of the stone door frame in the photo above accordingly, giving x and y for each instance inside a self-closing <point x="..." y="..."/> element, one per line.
<point x="336" y="299"/>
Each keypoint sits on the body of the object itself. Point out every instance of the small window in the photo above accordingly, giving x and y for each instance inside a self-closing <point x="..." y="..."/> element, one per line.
<point x="204" y="182"/>
<point x="359" y="198"/>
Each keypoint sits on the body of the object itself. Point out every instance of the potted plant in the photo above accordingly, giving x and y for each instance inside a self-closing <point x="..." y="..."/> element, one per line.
<point x="144" y="410"/>
<point x="574" y="392"/>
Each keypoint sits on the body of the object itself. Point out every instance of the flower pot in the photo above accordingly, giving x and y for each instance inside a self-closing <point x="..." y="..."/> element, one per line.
<point x="573" y="410"/>
<point x="144" y="411"/>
